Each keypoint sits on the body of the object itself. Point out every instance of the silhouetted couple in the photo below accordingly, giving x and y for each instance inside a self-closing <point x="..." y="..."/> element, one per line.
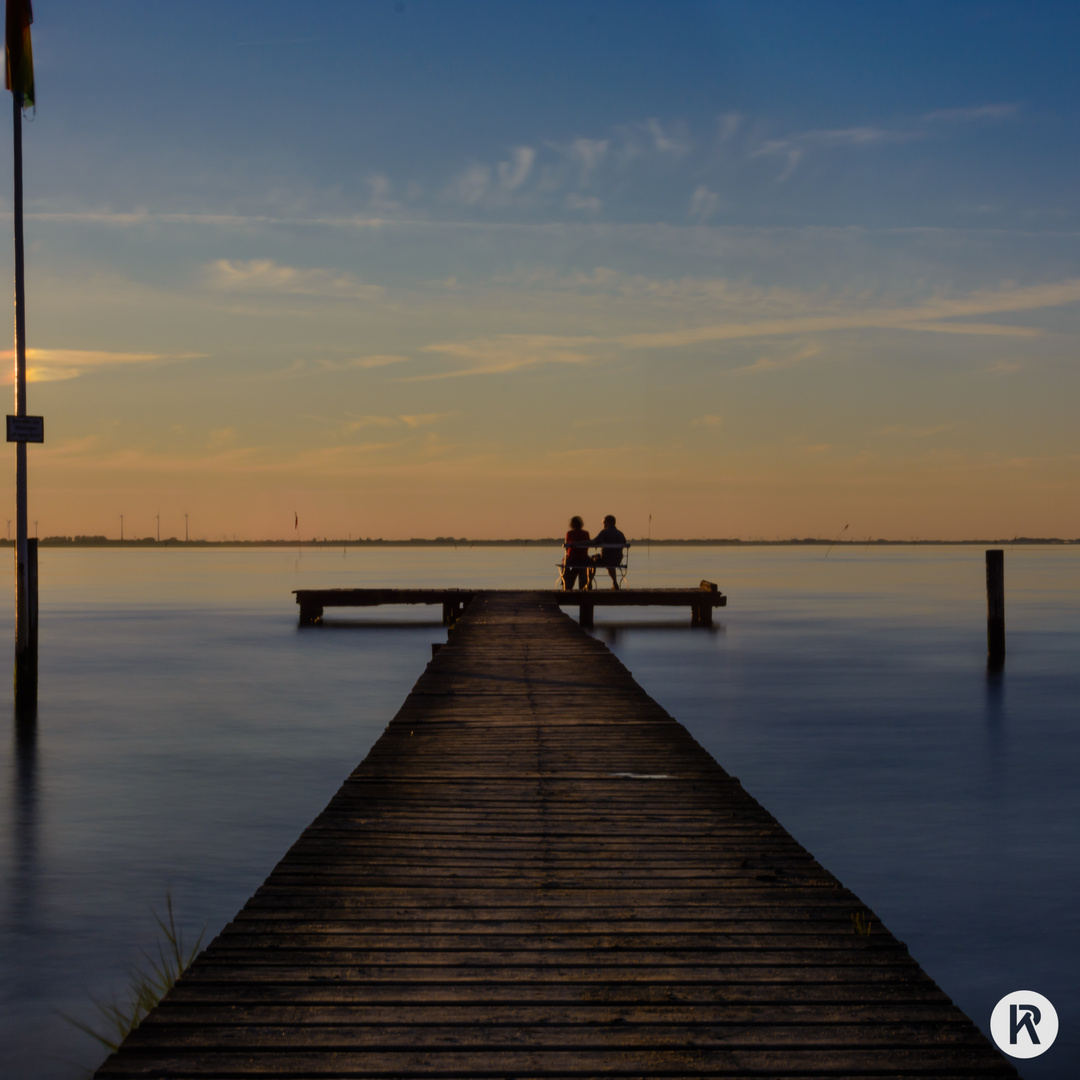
<point x="578" y="563"/>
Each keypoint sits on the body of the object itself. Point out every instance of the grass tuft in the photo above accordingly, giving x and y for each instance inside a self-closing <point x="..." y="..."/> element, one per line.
<point x="861" y="921"/>
<point x="148" y="983"/>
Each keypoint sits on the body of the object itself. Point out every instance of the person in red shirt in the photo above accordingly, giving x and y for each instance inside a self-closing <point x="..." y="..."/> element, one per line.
<point x="576" y="562"/>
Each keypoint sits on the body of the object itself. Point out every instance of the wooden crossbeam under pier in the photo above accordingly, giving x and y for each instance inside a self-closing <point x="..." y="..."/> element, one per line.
<point x="700" y="601"/>
<point x="536" y="872"/>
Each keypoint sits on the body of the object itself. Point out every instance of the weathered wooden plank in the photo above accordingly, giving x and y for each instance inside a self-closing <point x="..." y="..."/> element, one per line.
<point x="537" y="992"/>
<point x="538" y="872"/>
<point x="428" y="1012"/>
<point x="554" y="1061"/>
<point x="370" y="1037"/>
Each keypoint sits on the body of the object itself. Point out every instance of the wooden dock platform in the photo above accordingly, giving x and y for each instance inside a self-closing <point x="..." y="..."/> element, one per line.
<point x="700" y="601"/>
<point x="537" y="872"/>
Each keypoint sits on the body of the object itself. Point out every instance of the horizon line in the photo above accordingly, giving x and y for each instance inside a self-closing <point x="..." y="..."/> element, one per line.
<point x="450" y="541"/>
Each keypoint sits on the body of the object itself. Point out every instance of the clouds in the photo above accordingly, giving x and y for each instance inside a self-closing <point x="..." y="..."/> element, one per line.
<point x="655" y="167"/>
<point x="513" y="173"/>
<point x="268" y="276"/>
<point x="412" y="421"/>
<point x="661" y="166"/>
<point x="791" y="149"/>
<point x="973" y="115"/>
<point x="481" y="184"/>
<point x="703" y="203"/>
<point x="555" y="174"/>
<point x="58" y="365"/>
<point x="506" y="353"/>
<point x="707" y="315"/>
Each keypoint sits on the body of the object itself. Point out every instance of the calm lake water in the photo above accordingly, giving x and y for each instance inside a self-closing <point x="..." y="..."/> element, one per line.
<point x="188" y="732"/>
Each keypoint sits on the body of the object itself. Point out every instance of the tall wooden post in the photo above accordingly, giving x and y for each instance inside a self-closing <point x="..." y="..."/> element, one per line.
<point x="25" y="643"/>
<point x="995" y="609"/>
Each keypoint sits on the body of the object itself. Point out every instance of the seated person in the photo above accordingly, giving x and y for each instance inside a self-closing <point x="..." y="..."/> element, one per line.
<point x="576" y="562"/>
<point x="611" y="554"/>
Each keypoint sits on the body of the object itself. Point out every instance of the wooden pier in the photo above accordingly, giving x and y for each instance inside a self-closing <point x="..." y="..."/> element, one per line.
<point x="537" y="872"/>
<point x="700" y="601"/>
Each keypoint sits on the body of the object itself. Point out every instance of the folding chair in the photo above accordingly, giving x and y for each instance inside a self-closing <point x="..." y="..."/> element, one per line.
<point x="620" y="567"/>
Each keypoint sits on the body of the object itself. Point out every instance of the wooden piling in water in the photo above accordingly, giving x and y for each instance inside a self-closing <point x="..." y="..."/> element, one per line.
<point x="537" y="872"/>
<point x="995" y="609"/>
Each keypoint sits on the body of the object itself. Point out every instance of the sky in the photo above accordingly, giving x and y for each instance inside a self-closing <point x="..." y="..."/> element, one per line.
<point x="426" y="268"/>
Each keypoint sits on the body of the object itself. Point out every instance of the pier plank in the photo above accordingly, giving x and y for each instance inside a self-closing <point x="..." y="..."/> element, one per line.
<point x="537" y="872"/>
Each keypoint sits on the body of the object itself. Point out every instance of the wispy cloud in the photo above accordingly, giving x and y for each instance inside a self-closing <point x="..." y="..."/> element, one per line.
<point x="974" y="115"/>
<point x="412" y="421"/>
<point x="778" y="363"/>
<point x="500" y="185"/>
<point x="274" y="41"/>
<point x="589" y="155"/>
<point x="267" y="276"/>
<point x="363" y="363"/>
<point x="141" y="217"/>
<point x="908" y="431"/>
<point x="56" y="365"/>
<point x="513" y="173"/>
<point x="703" y="203"/>
<point x="589" y="203"/>
<point x="674" y="140"/>
<point x="506" y="353"/>
<point x="728" y="126"/>
<point x="792" y="148"/>
<point x="473" y="184"/>
<point x="860" y="136"/>
<point x="781" y="314"/>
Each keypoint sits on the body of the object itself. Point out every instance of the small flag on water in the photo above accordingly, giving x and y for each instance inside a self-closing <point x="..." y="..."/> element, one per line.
<point x="20" y="54"/>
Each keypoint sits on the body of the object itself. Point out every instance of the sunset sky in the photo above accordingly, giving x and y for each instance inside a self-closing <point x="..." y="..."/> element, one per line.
<point x="426" y="268"/>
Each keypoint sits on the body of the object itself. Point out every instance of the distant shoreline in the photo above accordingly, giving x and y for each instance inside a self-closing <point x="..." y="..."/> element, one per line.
<point x="546" y="542"/>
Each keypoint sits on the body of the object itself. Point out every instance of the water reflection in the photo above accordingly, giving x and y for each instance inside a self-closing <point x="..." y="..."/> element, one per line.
<point x="24" y="821"/>
<point x="612" y="633"/>
<point x="996" y="733"/>
<point x="372" y="624"/>
<point x="994" y="695"/>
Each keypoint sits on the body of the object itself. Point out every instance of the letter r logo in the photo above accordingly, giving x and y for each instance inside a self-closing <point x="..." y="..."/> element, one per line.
<point x="1030" y="1020"/>
<point x="1024" y="1024"/>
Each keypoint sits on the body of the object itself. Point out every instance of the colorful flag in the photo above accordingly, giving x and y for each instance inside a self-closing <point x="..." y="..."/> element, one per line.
<point x="20" y="54"/>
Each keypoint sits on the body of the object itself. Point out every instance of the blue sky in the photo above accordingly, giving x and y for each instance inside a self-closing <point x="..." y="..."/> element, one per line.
<point x="762" y="267"/>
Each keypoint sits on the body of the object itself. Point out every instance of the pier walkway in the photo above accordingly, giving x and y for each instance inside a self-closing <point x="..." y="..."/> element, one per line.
<point x="537" y="872"/>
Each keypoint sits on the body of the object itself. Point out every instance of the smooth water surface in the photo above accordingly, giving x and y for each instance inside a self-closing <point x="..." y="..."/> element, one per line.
<point x="188" y="731"/>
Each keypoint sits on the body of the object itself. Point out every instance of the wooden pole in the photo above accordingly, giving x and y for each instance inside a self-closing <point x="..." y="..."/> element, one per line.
<point x="25" y="600"/>
<point x="32" y="605"/>
<point x="995" y="609"/>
